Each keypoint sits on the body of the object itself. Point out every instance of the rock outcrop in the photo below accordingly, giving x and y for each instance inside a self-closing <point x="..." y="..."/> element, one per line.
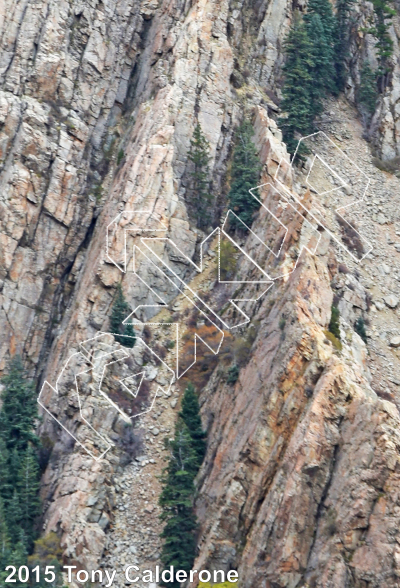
<point x="98" y="103"/>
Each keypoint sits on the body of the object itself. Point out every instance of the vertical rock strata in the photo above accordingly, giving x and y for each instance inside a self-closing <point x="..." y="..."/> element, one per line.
<point x="299" y="485"/>
<point x="98" y="102"/>
<point x="76" y="78"/>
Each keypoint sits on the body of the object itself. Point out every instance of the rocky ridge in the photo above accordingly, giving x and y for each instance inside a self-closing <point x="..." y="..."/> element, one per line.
<point x="80" y="84"/>
<point x="302" y="465"/>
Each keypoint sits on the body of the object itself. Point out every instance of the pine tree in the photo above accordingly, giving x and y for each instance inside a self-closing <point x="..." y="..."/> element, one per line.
<point x="4" y="536"/>
<point x="14" y="464"/>
<point x="200" y="158"/>
<point x="324" y="9"/>
<point x="124" y="334"/>
<point x="320" y="24"/>
<point x="299" y="102"/>
<point x="176" y="500"/>
<point x="5" y="486"/>
<point x="14" y="517"/>
<point x="383" y="15"/>
<point x="19" y="409"/>
<point x="190" y="414"/>
<point x="367" y="92"/>
<point x="18" y="558"/>
<point x="5" y="544"/>
<point x="245" y="175"/>
<point x="342" y="40"/>
<point x="323" y="72"/>
<point x="28" y="490"/>
<point x="19" y="469"/>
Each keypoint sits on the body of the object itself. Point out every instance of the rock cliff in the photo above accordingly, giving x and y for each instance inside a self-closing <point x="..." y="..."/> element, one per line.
<point x="302" y="465"/>
<point x="98" y="102"/>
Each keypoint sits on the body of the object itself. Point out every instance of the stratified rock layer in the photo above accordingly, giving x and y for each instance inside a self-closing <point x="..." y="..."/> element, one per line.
<point x="98" y="102"/>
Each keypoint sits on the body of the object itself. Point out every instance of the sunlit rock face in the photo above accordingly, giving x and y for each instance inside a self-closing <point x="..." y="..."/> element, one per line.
<point x="98" y="103"/>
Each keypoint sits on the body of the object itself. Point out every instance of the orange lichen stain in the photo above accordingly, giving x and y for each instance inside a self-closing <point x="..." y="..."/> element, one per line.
<point x="13" y="346"/>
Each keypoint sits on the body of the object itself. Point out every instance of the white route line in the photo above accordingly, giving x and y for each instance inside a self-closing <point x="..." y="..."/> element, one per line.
<point x="85" y="355"/>
<point x="107" y="443"/>
<point x="343" y="184"/>
<point x="305" y="220"/>
<point x="124" y="221"/>
<point x="340" y="208"/>
<point x="142" y="374"/>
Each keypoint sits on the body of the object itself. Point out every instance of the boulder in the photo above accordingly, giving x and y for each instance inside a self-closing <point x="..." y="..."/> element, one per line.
<point x="391" y="301"/>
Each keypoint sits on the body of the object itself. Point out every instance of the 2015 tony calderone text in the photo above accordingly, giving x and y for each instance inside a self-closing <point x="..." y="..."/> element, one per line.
<point x="132" y="575"/>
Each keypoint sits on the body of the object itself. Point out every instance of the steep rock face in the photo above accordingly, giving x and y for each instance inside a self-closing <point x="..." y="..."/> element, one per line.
<point x="68" y="74"/>
<point x="302" y="463"/>
<point x="192" y="81"/>
<point x="383" y="130"/>
<point x="82" y="83"/>
<point x="256" y="33"/>
<point x="60" y="126"/>
<point x="298" y="485"/>
<point x="64" y="76"/>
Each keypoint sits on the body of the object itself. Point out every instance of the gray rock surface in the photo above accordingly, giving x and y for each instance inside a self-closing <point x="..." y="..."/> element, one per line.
<point x="300" y="481"/>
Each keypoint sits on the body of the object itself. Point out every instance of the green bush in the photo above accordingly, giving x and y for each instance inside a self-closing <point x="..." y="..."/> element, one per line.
<point x="359" y="327"/>
<point x="245" y="175"/>
<point x="241" y="346"/>
<point x="124" y="334"/>
<point x="227" y="260"/>
<point x="120" y="156"/>
<point x="233" y="374"/>
<point x="334" y="340"/>
<point x="47" y="552"/>
<point x="334" y="324"/>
